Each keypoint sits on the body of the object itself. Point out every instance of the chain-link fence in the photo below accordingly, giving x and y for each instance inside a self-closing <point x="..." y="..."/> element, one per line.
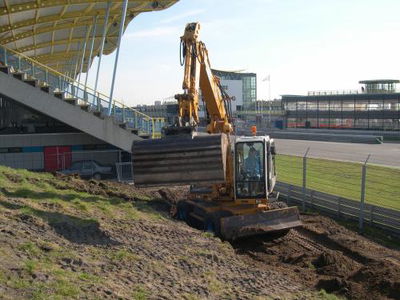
<point x="368" y="184"/>
<point x="98" y="164"/>
<point x="124" y="172"/>
<point x="343" y="178"/>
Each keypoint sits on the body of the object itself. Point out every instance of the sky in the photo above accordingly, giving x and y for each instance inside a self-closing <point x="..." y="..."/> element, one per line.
<point x="303" y="45"/>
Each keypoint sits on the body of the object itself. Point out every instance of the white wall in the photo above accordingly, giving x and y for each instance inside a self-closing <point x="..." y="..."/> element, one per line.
<point x="234" y="88"/>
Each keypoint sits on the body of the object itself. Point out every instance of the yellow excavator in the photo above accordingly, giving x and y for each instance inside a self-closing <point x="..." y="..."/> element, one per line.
<point x="232" y="178"/>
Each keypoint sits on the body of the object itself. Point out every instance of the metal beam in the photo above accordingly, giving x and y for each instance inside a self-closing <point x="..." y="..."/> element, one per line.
<point x="84" y="52"/>
<point x="103" y="40"/>
<point x="91" y="50"/>
<point x="121" y="31"/>
<point x="66" y="16"/>
<point x="57" y="43"/>
<point x="29" y="6"/>
<point x="37" y="31"/>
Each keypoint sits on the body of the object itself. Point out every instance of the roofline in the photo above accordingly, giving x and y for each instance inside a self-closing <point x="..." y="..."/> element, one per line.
<point x="234" y="72"/>
<point x="379" y="81"/>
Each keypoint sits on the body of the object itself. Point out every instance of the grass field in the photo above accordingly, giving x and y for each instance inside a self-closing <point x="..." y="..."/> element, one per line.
<point x="343" y="179"/>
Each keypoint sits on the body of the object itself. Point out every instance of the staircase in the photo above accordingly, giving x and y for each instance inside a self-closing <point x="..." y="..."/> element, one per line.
<point x="61" y="97"/>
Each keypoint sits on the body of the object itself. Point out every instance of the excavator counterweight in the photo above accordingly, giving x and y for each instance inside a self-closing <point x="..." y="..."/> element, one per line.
<point x="178" y="160"/>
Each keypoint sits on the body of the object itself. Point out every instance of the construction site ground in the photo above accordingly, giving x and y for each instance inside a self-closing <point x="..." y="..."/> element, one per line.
<point x="63" y="237"/>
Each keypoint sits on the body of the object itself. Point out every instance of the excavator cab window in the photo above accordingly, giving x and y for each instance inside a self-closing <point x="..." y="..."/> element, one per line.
<point x="250" y="170"/>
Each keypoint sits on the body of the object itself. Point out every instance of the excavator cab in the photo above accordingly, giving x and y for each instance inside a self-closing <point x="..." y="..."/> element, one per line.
<point x="255" y="172"/>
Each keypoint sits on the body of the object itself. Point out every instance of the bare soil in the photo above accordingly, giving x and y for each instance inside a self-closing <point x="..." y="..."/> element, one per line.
<point x="325" y="255"/>
<point x="156" y="257"/>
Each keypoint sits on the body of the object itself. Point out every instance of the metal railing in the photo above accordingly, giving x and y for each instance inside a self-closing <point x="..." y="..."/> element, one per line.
<point x="132" y="118"/>
<point x="124" y="172"/>
<point x="364" y="183"/>
<point x="272" y="112"/>
<point x="377" y="216"/>
<point x="333" y="92"/>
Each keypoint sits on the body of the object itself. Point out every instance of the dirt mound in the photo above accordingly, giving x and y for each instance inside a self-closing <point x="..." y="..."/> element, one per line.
<point x="85" y="239"/>
<point x="380" y="275"/>
<point x="325" y="255"/>
<point x="109" y="240"/>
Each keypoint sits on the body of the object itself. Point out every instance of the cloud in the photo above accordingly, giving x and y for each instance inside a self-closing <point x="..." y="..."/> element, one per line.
<point x="183" y="15"/>
<point x="155" y="32"/>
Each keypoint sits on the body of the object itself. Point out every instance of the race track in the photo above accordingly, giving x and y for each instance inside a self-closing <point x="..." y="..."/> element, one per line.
<point x="387" y="154"/>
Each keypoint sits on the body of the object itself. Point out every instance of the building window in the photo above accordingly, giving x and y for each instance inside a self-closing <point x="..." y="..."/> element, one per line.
<point x="363" y="105"/>
<point x="348" y="106"/>
<point x="335" y="106"/>
<point x="302" y="105"/>
<point x="361" y="123"/>
<point x="291" y="122"/>
<point x="253" y="82"/>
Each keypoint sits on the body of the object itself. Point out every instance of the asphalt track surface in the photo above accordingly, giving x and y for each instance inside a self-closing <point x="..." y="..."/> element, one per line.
<point x="387" y="154"/>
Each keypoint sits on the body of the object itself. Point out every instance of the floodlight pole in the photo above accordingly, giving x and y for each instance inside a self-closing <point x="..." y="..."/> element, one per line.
<point x="121" y="29"/>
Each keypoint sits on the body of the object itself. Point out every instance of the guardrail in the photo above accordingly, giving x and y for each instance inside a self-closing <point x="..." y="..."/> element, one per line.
<point x="333" y="92"/>
<point x="260" y="112"/>
<point x="380" y="217"/>
<point x="97" y="101"/>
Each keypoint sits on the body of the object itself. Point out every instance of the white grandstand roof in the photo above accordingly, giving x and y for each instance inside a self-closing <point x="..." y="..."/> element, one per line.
<point x="53" y="31"/>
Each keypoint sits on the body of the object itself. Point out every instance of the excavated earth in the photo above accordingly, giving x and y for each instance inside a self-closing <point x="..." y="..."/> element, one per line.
<point x="149" y="255"/>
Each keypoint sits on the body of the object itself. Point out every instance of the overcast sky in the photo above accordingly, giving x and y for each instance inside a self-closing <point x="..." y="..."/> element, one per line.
<point x="304" y="45"/>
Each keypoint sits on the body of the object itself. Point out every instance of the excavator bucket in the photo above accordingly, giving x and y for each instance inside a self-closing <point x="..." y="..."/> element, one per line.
<point x="268" y="222"/>
<point x="198" y="159"/>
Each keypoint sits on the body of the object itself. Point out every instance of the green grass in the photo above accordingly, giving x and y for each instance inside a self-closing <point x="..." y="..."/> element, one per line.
<point x="30" y="266"/>
<point x="325" y="296"/>
<point x="36" y="187"/>
<point x="123" y="255"/>
<point x="140" y="293"/>
<point x="46" y="200"/>
<point x="343" y="179"/>
<point x="30" y="248"/>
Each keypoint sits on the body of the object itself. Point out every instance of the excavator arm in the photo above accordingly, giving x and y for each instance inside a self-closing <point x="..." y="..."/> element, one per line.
<point x="184" y="156"/>
<point x="198" y="77"/>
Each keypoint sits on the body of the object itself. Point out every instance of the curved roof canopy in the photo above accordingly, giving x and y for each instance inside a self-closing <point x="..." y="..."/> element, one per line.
<point x="379" y="81"/>
<point x="53" y="32"/>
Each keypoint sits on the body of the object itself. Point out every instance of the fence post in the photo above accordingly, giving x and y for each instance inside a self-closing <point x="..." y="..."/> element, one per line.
<point x="305" y="178"/>
<point x="312" y="199"/>
<point x="289" y="194"/>
<point x="363" y="178"/>
<point x="5" y="57"/>
<point x="371" y="215"/>
<point x="123" y="113"/>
